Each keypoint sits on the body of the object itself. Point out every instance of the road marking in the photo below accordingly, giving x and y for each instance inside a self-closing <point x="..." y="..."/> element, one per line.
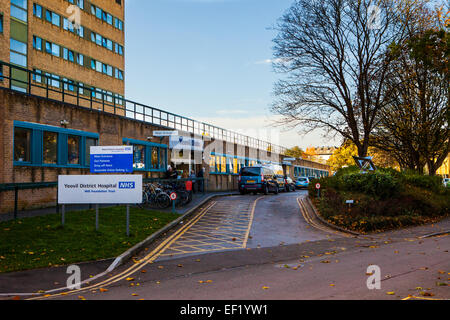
<point x="225" y="227"/>
<point x="137" y="266"/>
<point x="311" y="222"/>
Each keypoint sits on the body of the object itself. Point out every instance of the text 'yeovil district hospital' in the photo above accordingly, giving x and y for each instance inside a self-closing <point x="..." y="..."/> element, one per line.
<point x="62" y="91"/>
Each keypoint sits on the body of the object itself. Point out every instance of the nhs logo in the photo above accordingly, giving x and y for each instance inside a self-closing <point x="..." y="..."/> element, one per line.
<point x="127" y="185"/>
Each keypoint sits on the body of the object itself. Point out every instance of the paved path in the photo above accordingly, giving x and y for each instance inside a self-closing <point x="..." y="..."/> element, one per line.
<point x="262" y="247"/>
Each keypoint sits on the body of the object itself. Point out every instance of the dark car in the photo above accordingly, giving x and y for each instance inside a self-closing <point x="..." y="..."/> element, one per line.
<point x="282" y="184"/>
<point x="257" y="179"/>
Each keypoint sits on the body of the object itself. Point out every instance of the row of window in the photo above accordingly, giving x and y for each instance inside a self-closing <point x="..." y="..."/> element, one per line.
<point x="106" y="17"/>
<point x="55" y="19"/>
<point x="69" y="55"/>
<point x="310" y="172"/>
<point x="226" y="164"/>
<point x="1" y="23"/>
<point x="70" y="85"/>
<point x="148" y="156"/>
<point x="41" y="145"/>
<point x="101" y="14"/>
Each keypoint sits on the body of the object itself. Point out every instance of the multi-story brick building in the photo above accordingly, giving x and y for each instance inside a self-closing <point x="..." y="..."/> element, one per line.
<point x="78" y="41"/>
<point x="61" y="92"/>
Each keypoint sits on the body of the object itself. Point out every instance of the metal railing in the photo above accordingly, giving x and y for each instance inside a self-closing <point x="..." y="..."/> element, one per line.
<point x="43" y="85"/>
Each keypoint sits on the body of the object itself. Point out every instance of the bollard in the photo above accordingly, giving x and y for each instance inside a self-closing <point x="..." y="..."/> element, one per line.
<point x="63" y="215"/>
<point x="128" y="220"/>
<point x="16" y="201"/>
<point x="96" y="217"/>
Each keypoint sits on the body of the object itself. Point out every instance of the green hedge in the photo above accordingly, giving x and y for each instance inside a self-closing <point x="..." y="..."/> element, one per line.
<point x="383" y="200"/>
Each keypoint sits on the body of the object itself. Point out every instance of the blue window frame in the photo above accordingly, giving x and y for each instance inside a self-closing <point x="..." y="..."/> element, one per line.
<point x="148" y="156"/>
<point x="39" y="145"/>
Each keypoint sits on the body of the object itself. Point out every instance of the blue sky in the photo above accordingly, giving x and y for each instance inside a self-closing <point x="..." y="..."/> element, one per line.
<point x="206" y="59"/>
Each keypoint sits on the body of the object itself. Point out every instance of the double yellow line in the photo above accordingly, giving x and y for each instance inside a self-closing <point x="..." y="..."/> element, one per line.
<point x="311" y="222"/>
<point x="150" y="258"/>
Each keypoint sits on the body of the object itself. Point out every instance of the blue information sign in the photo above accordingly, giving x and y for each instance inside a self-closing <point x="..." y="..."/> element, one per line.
<point x="112" y="159"/>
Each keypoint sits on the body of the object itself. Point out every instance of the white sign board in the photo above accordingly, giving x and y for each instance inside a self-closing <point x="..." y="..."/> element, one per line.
<point x="165" y="133"/>
<point x="100" y="189"/>
<point x="186" y="143"/>
<point x="289" y="159"/>
<point x="110" y="159"/>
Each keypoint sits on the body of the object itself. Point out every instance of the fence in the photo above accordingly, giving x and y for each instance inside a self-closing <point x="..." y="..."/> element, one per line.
<point x="43" y="85"/>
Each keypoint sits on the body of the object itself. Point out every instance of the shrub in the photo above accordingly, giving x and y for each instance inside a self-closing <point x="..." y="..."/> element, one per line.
<point x="377" y="184"/>
<point x="432" y="183"/>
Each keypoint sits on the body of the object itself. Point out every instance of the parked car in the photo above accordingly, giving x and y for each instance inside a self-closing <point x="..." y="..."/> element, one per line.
<point x="257" y="179"/>
<point x="302" y="182"/>
<point x="446" y="182"/>
<point x="282" y="184"/>
<point x="290" y="183"/>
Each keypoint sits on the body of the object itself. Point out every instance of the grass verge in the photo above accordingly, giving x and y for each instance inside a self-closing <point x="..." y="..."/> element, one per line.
<point x="40" y="242"/>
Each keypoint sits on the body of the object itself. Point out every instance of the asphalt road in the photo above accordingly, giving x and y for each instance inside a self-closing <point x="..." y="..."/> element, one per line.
<point x="261" y="247"/>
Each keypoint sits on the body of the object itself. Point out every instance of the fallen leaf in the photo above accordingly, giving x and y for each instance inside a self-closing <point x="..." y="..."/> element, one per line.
<point x="130" y="279"/>
<point x="266" y="288"/>
<point x="391" y="293"/>
<point x="134" y="294"/>
<point x="103" y="290"/>
<point x="427" y="294"/>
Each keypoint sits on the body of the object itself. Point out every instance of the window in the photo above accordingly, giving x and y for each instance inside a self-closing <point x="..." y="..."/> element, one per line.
<point x="90" y="142"/>
<point x="119" y="74"/>
<point x="80" y="59"/>
<point x="55" y="146"/>
<point x="19" y="10"/>
<point x="37" y="10"/>
<point x="79" y="3"/>
<point x="148" y="156"/>
<point x="1" y="23"/>
<point x="68" y="55"/>
<point x="155" y="158"/>
<point x="53" y="18"/>
<point x="138" y="157"/>
<point x="73" y="147"/>
<point x="52" y="80"/>
<point x="18" y="52"/>
<point x="22" y="145"/>
<point x="119" y="49"/>
<point x="37" y="43"/>
<point x="52" y="49"/>
<point x="118" y="23"/>
<point x="37" y="75"/>
<point x="50" y="147"/>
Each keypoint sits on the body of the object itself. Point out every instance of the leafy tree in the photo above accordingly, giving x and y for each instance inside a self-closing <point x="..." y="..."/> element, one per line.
<point x="414" y="125"/>
<point x="295" y="152"/>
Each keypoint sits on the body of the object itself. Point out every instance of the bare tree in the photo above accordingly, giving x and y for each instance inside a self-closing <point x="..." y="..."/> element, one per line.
<point x="334" y="57"/>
